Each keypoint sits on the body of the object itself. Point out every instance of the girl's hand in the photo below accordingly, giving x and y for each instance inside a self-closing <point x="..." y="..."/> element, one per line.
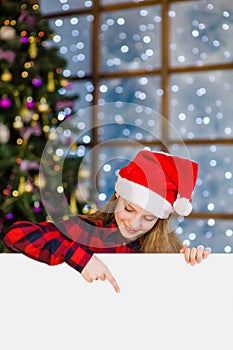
<point x="194" y="255"/>
<point x="95" y="270"/>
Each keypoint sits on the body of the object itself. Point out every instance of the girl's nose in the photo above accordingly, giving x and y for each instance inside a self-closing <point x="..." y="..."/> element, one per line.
<point x="135" y="222"/>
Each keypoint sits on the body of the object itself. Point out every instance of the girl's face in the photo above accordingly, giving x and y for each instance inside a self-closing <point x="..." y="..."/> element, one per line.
<point x="132" y="220"/>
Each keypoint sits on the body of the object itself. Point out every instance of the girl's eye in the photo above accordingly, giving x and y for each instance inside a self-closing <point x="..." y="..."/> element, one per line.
<point x="149" y="219"/>
<point x="129" y="210"/>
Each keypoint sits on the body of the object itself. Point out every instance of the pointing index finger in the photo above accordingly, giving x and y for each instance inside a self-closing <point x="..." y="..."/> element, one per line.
<point x="112" y="280"/>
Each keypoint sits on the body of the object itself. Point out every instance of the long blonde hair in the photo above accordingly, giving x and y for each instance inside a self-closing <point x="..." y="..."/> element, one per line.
<point x="160" y="239"/>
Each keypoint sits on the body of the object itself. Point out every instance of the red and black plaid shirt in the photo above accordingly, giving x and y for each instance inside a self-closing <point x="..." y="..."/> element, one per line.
<point x="73" y="241"/>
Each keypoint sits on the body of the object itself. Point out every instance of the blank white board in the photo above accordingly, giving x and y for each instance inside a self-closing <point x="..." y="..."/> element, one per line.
<point x="164" y="304"/>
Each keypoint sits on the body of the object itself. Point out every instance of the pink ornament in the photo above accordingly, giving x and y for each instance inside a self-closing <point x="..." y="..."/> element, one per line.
<point x="24" y="40"/>
<point x="7" y="55"/>
<point x="37" y="209"/>
<point x="30" y="104"/>
<point x="64" y="104"/>
<point x="27" y="165"/>
<point x="9" y="216"/>
<point x="5" y="102"/>
<point x="37" y="82"/>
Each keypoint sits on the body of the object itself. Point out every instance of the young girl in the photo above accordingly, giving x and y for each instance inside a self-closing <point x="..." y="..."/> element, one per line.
<point x="135" y="220"/>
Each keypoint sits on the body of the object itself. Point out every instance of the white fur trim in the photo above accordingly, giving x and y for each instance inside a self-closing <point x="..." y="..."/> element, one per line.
<point x="143" y="197"/>
<point x="182" y="206"/>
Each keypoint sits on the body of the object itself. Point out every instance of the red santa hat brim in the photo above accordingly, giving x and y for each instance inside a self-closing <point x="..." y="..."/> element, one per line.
<point x="144" y="197"/>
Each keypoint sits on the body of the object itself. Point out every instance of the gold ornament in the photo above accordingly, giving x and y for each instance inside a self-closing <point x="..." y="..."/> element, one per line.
<point x="43" y="106"/>
<point x="32" y="51"/>
<point x="26" y="114"/>
<point x="24" y="186"/>
<point x="73" y="147"/>
<point x="51" y="82"/>
<point x="28" y="187"/>
<point x="18" y="124"/>
<point x="46" y="128"/>
<point x="35" y="116"/>
<point x="6" y="76"/>
<point x="73" y="204"/>
<point x="84" y="173"/>
<point x="35" y="7"/>
<point x="92" y="209"/>
<point x="21" y="187"/>
<point x="64" y="82"/>
<point x="39" y="181"/>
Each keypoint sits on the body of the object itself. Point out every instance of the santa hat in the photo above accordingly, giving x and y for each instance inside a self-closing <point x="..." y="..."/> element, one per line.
<point x="159" y="183"/>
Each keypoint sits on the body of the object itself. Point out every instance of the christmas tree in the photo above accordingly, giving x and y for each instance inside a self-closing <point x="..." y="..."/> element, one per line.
<point x="31" y="104"/>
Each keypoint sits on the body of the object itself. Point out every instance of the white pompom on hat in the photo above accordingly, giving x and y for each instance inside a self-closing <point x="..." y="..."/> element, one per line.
<point x="159" y="183"/>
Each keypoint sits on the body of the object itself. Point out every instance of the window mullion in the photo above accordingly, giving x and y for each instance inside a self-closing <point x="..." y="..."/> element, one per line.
<point x="165" y="72"/>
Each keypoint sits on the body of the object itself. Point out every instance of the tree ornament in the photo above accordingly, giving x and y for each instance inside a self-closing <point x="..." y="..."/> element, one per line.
<point x="30" y="104"/>
<point x="34" y="129"/>
<point x="9" y="216"/>
<point x="24" y="40"/>
<point x="27" y="165"/>
<point x="32" y="51"/>
<point x="92" y="209"/>
<point x="6" y="76"/>
<point x="28" y="187"/>
<point x="64" y="82"/>
<point x="26" y="18"/>
<point x="40" y="181"/>
<point x="37" y="207"/>
<point x="5" y="102"/>
<point x="26" y="114"/>
<point x="7" y="55"/>
<point x="43" y="106"/>
<point x="7" y="33"/>
<point x="21" y="187"/>
<point x="73" y="203"/>
<point x="35" y="116"/>
<point x="84" y="173"/>
<point x="4" y="133"/>
<point x="62" y="104"/>
<point x="37" y="82"/>
<point x="51" y="82"/>
<point x="18" y="124"/>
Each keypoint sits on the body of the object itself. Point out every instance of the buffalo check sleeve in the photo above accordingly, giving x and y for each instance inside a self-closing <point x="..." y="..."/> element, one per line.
<point x="45" y="243"/>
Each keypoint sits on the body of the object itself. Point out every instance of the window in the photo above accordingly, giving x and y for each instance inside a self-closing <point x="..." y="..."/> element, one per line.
<point x="157" y="74"/>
